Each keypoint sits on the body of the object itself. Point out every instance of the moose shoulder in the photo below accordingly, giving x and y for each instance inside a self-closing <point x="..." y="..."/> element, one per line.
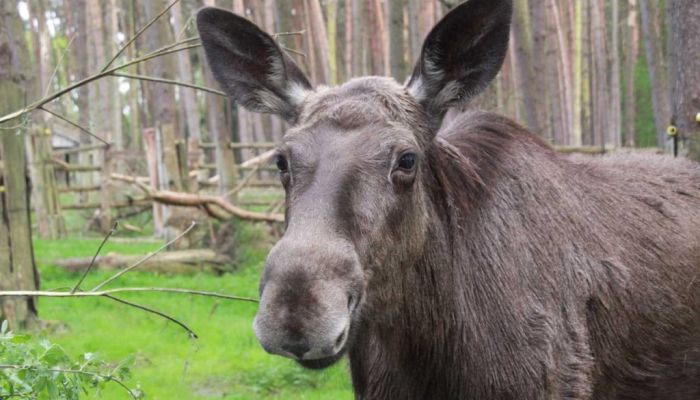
<point x="465" y="260"/>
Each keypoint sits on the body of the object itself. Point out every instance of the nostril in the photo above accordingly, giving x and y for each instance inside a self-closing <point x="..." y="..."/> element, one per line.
<point x="340" y="339"/>
<point x="350" y="299"/>
<point x="298" y="348"/>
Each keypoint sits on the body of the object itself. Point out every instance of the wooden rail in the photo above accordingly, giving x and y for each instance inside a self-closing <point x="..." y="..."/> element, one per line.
<point x="62" y="165"/>
<point x="76" y="150"/>
<point x="68" y="189"/>
<point x="241" y="145"/>
<point x="582" y="149"/>
<point x="87" y="206"/>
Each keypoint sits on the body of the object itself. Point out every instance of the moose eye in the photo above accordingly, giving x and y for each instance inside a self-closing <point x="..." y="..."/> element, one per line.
<point x="281" y="162"/>
<point x="407" y="161"/>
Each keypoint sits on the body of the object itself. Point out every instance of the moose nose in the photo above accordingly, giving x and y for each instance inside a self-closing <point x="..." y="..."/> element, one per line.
<point x="297" y="348"/>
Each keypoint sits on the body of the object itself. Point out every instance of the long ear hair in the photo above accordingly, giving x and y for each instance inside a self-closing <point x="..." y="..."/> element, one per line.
<point x="461" y="55"/>
<point x="250" y="66"/>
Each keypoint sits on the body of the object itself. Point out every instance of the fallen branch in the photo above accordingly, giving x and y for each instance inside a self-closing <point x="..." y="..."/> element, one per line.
<point x="181" y="261"/>
<point x="173" y="198"/>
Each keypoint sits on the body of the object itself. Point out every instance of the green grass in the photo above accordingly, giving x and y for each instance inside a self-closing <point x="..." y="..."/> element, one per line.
<point x="225" y="363"/>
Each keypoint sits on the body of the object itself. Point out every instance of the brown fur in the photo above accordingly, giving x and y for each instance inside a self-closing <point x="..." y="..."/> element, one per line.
<point x="493" y="267"/>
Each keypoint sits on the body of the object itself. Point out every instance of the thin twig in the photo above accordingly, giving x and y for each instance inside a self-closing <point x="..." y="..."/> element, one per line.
<point x="53" y="293"/>
<point x="278" y="34"/>
<point x="144" y="259"/>
<point x="92" y="262"/>
<point x="64" y="119"/>
<point x="58" y="64"/>
<point x="156" y="312"/>
<point x="169" y="81"/>
<point x="39" y="103"/>
<point x="136" y="36"/>
<point x="293" y="51"/>
<point x="72" y="371"/>
<point x="242" y="183"/>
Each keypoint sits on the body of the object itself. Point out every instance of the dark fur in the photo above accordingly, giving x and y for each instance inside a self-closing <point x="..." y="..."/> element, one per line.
<point x="496" y="268"/>
<point x="555" y="278"/>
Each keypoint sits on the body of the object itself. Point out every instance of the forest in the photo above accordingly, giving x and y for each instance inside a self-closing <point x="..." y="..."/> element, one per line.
<point x="119" y="152"/>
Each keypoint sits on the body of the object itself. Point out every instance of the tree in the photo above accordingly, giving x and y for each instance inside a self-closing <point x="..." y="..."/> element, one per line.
<point x="17" y="269"/>
<point x="658" y="71"/>
<point x="631" y="54"/>
<point x="684" y="71"/>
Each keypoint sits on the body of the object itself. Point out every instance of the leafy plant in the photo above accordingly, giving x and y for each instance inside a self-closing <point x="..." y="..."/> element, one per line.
<point x="34" y="368"/>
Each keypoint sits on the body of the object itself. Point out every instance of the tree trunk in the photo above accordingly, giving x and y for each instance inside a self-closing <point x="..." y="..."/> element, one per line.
<point x="522" y="51"/>
<point x="184" y="69"/>
<point x="17" y="269"/>
<point x="576" y="125"/>
<point x="332" y="30"/>
<point x="684" y="72"/>
<point x="539" y="39"/>
<point x="397" y="49"/>
<point x="378" y="41"/>
<point x="658" y="71"/>
<point x="615" y="111"/>
<point x="601" y="116"/>
<point x="632" y="52"/>
<point x="44" y="192"/>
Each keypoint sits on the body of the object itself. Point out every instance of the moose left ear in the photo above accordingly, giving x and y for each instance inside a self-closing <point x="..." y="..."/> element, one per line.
<point x="461" y="55"/>
<point x="249" y="65"/>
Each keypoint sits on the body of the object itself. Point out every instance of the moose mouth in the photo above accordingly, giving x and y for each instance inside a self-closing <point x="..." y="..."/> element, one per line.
<point x="321" y="363"/>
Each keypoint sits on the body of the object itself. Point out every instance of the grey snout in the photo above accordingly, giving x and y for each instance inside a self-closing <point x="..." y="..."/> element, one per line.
<point x="307" y="300"/>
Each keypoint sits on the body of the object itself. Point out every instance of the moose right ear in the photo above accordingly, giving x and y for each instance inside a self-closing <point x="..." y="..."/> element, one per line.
<point x="249" y="64"/>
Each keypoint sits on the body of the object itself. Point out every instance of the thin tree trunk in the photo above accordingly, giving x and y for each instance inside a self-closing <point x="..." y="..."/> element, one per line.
<point x="17" y="268"/>
<point x="615" y="107"/>
<point x="184" y="69"/>
<point x="378" y="40"/>
<point x="601" y="116"/>
<point x="564" y="72"/>
<point x="332" y="29"/>
<point x="539" y="41"/>
<point x="396" y="41"/>
<point x="632" y="47"/>
<point x="684" y="71"/>
<point x="349" y="32"/>
<point x="44" y="192"/>
<point x="522" y="52"/>
<point x="578" y="73"/>
<point x="658" y="71"/>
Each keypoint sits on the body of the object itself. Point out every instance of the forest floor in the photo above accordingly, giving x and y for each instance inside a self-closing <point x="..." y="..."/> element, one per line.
<point x="226" y="362"/>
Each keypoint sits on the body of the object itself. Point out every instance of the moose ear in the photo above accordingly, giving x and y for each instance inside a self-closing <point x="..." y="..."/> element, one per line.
<point x="461" y="55"/>
<point x="249" y="65"/>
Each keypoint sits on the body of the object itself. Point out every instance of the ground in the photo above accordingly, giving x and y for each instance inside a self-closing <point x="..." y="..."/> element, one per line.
<point x="225" y="363"/>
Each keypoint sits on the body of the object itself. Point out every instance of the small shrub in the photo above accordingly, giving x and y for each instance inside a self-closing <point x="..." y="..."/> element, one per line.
<point x="34" y="368"/>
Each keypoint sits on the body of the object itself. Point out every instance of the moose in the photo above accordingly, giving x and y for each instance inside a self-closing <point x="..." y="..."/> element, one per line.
<point x="464" y="259"/>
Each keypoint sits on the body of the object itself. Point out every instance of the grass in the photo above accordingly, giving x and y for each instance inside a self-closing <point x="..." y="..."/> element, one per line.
<point x="225" y="363"/>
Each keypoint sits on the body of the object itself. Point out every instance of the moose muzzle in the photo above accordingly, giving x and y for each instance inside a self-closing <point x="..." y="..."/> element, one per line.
<point x="309" y="292"/>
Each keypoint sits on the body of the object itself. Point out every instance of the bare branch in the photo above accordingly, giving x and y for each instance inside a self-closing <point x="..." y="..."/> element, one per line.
<point x="62" y="118"/>
<point x="171" y="82"/>
<point x="156" y="312"/>
<point x="53" y="293"/>
<point x="195" y="200"/>
<point x="92" y="262"/>
<point x="136" y="36"/>
<point x="144" y="259"/>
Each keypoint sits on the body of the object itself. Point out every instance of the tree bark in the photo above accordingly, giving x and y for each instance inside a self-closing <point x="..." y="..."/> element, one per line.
<point x="601" y="116"/>
<point x="397" y="49"/>
<point x="658" y="70"/>
<point x="184" y="69"/>
<point x="632" y="47"/>
<point x="615" y="107"/>
<point x="522" y="51"/>
<point x="44" y="192"/>
<point x="684" y="72"/>
<point x="17" y="268"/>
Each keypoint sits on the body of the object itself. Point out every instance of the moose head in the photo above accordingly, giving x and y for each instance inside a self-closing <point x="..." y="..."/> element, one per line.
<point x="356" y="166"/>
